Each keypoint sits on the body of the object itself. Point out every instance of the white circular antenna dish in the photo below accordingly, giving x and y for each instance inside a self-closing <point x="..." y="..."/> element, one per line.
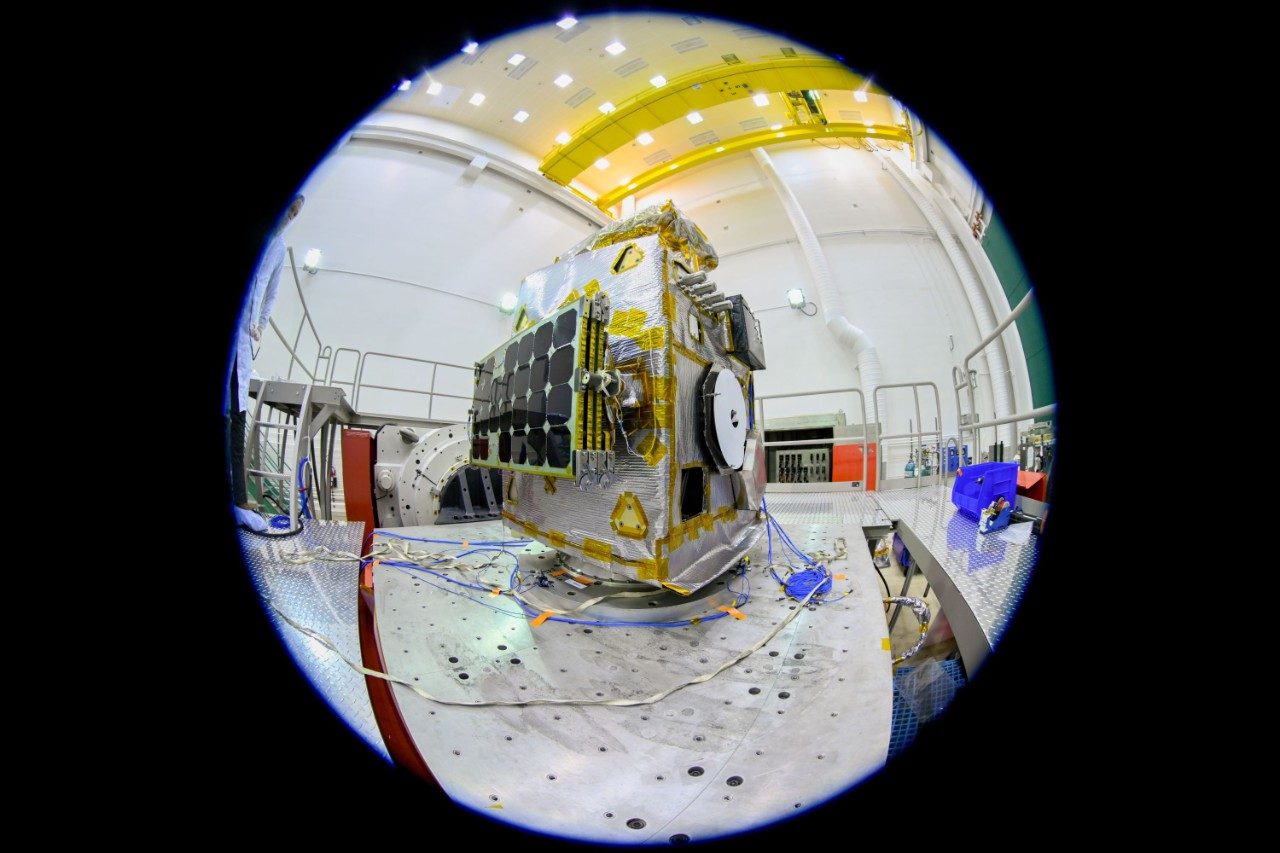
<point x="729" y="418"/>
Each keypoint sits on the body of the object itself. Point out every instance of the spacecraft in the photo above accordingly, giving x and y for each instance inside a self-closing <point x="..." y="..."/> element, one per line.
<point x="620" y="410"/>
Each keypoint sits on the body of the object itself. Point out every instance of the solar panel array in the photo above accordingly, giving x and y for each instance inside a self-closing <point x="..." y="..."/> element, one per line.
<point x="526" y="408"/>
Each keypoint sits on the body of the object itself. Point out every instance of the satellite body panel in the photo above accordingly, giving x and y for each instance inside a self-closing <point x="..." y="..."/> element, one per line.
<point x="665" y="470"/>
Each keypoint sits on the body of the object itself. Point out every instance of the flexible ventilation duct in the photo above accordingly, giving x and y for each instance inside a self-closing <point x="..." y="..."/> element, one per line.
<point x="832" y="304"/>
<point x="1001" y="381"/>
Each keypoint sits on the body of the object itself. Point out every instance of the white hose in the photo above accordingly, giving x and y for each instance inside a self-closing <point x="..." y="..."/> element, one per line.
<point x="864" y="350"/>
<point x="1001" y="380"/>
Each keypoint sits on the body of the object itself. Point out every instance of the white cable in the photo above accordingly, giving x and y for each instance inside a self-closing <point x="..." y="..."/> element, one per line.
<point x="658" y="697"/>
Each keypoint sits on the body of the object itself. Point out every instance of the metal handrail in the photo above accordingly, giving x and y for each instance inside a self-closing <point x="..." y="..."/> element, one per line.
<point x="329" y="380"/>
<point x="918" y="434"/>
<point x="293" y="355"/>
<point x="306" y="318"/>
<point x="862" y="417"/>
<point x="432" y="393"/>
<point x="960" y="377"/>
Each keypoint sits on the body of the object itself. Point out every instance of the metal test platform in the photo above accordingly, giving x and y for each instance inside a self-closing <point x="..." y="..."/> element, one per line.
<point x="543" y="737"/>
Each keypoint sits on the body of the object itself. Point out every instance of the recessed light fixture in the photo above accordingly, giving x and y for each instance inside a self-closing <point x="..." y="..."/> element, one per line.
<point x="780" y="134"/>
<point x="631" y="186"/>
<point x="602" y="164"/>
<point x="644" y="138"/>
<point x="521" y="116"/>
<point x="607" y="107"/>
<point x="562" y="137"/>
<point x="615" y="48"/>
<point x="762" y="100"/>
<point x="515" y="59"/>
<point x="563" y="80"/>
<point x="672" y="167"/>
<point x="567" y="22"/>
<point x="658" y="80"/>
<point x="405" y="85"/>
<point x="719" y="148"/>
<point x="624" y="180"/>
<point x="470" y="47"/>
<point x="694" y="117"/>
<point x="869" y="123"/>
<point x="775" y="127"/>
<point x="508" y="303"/>
<point x="860" y="96"/>
<point x="476" y="100"/>
<point x="434" y="87"/>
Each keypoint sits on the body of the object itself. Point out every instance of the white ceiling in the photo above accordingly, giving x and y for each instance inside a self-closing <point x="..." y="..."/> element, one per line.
<point x="665" y="44"/>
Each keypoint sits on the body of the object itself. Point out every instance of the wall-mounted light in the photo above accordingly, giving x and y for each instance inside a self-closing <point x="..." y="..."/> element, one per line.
<point x="508" y="303"/>
<point x="796" y="299"/>
<point x="311" y="261"/>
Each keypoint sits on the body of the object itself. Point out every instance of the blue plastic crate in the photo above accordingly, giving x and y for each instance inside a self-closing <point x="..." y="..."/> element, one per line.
<point x="976" y="486"/>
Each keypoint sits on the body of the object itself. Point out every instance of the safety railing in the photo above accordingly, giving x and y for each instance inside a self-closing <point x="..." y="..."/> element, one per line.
<point x="862" y="418"/>
<point x="431" y="393"/>
<point x="326" y="368"/>
<point x="917" y="433"/>
<point x="962" y="379"/>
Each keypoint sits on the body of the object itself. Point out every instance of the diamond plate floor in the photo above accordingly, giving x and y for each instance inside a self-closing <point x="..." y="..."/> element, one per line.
<point x="322" y="596"/>
<point x="988" y="572"/>
<point x="858" y="508"/>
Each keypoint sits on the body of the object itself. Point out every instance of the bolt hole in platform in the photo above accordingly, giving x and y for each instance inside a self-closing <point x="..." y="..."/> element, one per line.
<point x="733" y="781"/>
<point x="636" y="823"/>
<point x="679" y="838"/>
<point x="696" y="771"/>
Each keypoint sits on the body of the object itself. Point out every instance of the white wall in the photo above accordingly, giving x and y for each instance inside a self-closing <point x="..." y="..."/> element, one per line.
<point x="416" y="257"/>
<point x="894" y="277"/>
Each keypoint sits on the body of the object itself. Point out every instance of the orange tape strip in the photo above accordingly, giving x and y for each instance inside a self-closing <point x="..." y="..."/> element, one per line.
<point x="495" y="592"/>
<point x="733" y="611"/>
<point x="839" y="577"/>
<point x="557" y="573"/>
<point x="541" y="617"/>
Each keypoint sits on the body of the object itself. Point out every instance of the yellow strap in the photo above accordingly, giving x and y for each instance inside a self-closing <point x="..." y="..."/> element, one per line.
<point x="733" y="611"/>
<point x="541" y="617"/>
<point x="884" y="643"/>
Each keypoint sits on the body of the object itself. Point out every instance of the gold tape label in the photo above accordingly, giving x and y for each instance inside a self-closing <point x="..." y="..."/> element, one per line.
<point x="597" y="550"/>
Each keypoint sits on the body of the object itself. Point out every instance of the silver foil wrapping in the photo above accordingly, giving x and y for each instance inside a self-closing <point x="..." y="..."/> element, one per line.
<point x="663" y="344"/>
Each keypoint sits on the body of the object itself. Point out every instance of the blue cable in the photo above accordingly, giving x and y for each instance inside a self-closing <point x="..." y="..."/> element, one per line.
<point x="381" y="532"/>
<point x="802" y="583"/>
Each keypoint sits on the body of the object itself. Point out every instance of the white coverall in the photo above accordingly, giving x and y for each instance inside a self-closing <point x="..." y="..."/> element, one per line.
<point x="257" y="309"/>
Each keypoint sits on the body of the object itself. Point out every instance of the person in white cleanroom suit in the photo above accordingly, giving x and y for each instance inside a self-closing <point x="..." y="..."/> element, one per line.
<point x="259" y="301"/>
